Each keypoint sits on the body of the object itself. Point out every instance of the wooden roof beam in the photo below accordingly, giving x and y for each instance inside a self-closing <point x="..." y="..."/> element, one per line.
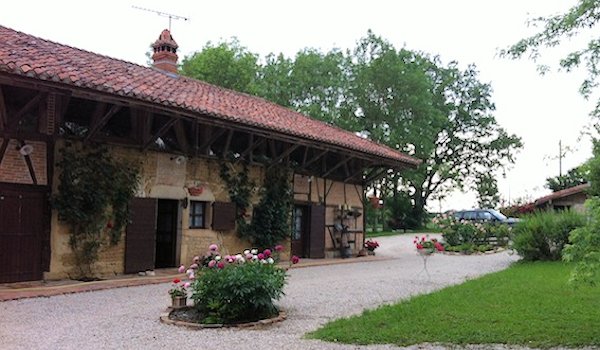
<point x="163" y="130"/>
<point x="284" y="154"/>
<point x="204" y="147"/>
<point x="3" y="116"/>
<point x="100" y="122"/>
<point x="337" y="166"/>
<point x="28" y="106"/>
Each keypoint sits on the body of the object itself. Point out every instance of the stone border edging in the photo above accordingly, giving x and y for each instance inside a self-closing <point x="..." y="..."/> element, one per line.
<point x="164" y="318"/>
<point x="494" y="251"/>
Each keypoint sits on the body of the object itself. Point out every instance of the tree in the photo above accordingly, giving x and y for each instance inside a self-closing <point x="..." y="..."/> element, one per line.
<point x="226" y="64"/>
<point x="487" y="191"/>
<point x="574" y="177"/>
<point x="583" y="16"/>
<point x="440" y="114"/>
<point x="313" y="83"/>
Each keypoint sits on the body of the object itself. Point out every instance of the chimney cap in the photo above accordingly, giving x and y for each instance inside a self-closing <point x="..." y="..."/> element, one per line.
<point x="165" y="38"/>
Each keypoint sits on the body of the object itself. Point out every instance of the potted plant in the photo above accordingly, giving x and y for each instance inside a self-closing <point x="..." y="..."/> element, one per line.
<point x="178" y="293"/>
<point x="371" y="245"/>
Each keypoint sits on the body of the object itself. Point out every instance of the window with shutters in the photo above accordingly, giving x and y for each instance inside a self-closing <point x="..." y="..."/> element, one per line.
<point x="197" y="214"/>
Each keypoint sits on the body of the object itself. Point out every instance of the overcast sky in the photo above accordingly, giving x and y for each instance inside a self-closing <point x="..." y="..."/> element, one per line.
<point x="541" y="110"/>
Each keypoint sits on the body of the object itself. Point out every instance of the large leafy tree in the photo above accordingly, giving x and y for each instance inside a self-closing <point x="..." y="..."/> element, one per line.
<point x="583" y="16"/>
<point x="439" y="113"/>
<point x="227" y="64"/>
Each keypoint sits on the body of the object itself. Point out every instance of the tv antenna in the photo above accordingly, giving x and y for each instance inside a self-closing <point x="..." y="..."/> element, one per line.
<point x="163" y="14"/>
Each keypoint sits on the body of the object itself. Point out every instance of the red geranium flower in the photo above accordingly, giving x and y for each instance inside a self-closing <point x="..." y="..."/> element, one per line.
<point x="177" y="280"/>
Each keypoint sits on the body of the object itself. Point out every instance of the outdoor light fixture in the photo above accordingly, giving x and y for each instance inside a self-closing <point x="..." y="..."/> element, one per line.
<point x="179" y="159"/>
<point x="26" y="150"/>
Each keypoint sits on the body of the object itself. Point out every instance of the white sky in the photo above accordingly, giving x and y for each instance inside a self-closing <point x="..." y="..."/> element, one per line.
<point x="541" y="110"/>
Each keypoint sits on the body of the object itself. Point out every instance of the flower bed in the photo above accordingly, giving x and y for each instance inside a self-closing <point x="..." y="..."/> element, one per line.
<point x="234" y="289"/>
<point x="468" y="237"/>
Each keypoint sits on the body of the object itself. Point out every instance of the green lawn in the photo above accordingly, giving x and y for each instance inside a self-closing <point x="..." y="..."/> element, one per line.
<point x="527" y="304"/>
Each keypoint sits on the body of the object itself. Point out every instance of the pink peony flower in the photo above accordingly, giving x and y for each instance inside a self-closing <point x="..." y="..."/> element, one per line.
<point x="419" y="246"/>
<point x="187" y="285"/>
<point x="295" y="259"/>
<point x="196" y="260"/>
<point x="213" y="247"/>
<point x="261" y="256"/>
<point x="192" y="276"/>
<point x="221" y="265"/>
<point x="194" y="266"/>
<point x="181" y="269"/>
<point x="423" y="239"/>
<point x="278" y="248"/>
<point x="248" y="256"/>
<point x="267" y="253"/>
<point x="212" y="263"/>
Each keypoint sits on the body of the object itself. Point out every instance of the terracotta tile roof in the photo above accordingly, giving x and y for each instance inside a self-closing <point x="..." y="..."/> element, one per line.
<point x="26" y="55"/>
<point x="562" y="193"/>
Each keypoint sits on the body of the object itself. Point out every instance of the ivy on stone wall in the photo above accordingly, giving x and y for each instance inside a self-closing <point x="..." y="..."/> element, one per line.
<point x="271" y="218"/>
<point x="93" y="199"/>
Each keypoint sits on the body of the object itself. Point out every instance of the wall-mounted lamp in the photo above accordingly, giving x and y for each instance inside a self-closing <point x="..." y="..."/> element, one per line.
<point x="26" y="150"/>
<point x="179" y="159"/>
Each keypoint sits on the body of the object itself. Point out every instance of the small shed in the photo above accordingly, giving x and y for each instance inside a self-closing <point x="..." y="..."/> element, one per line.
<point x="569" y="198"/>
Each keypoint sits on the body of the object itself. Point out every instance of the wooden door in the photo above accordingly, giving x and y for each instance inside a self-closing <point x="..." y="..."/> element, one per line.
<point x="23" y="221"/>
<point x="141" y="235"/>
<point x="317" y="231"/>
<point x="300" y="231"/>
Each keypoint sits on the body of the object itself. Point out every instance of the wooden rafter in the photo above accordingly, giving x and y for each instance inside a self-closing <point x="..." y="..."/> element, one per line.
<point x="337" y="166"/>
<point x="376" y="175"/>
<point x="251" y="147"/>
<point x="196" y="138"/>
<point x="182" y="139"/>
<point x="3" y="116"/>
<point x="3" y="147"/>
<point x="284" y="154"/>
<point x="163" y="130"/>
<point x="314" y="159"/>
<point x="28" y="106"/>
<point x="204" y="147"/>
<point x="227" y="143"/>
<point x="100" y="120"/>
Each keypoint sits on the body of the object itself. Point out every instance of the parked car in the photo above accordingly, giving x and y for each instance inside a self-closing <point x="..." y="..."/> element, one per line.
<point x="485" y="215"/>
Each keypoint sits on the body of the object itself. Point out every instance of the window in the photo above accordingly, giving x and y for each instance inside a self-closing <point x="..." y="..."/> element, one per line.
<point x="197" y="214"/>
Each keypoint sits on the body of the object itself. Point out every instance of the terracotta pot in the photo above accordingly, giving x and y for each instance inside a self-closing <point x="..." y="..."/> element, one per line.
<point x="178" y="302"/>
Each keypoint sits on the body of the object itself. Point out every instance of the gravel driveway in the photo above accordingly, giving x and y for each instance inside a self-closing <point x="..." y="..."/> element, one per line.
<point x="127" y="318"/>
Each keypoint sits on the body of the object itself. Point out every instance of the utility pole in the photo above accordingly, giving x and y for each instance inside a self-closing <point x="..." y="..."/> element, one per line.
<point x="163" y="14"/>
<point x="560" y="156"/>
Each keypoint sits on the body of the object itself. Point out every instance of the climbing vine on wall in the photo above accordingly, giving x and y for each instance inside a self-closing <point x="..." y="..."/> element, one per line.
<point x="271" y="220"/>
<point x="93" y="198"/>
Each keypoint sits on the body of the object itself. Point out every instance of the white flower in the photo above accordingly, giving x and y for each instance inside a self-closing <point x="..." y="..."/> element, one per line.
<point x="218" y="257"/>
<point x="238" y="256"/>
<point x="270" y="260"/>
<point x="254" y="257"/>
<point x="254" y="251"/>
<point x="247" y="251"/>
<point x="263" y="261"/>
<point x="241" y="260"/>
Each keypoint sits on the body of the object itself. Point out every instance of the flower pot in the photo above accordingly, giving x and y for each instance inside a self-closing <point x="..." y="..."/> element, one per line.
<point x="371" y="251"/>
<point x="178" y="302"/>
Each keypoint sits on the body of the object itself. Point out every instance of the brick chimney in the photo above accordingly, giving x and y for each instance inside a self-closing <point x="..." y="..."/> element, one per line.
<point x="165" y="52"/>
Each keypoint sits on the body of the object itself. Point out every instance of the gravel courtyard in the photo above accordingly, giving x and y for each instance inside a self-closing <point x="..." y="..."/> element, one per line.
<point x="127" y="318"/>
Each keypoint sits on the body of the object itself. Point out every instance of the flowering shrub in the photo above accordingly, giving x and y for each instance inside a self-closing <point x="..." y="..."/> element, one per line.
<point x="371" y="244"/>
<point x="468" y="236"/>
<point x="179" y="288"/>
<point x="239" y="288"/>
<point x="427" y="246"/>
